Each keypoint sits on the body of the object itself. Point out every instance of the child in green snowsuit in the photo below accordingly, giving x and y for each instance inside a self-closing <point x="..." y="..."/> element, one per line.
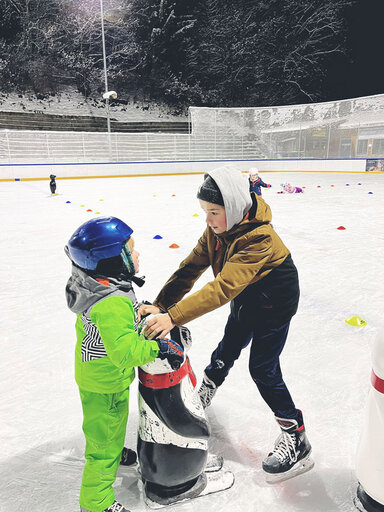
<point x="108" y="348"/>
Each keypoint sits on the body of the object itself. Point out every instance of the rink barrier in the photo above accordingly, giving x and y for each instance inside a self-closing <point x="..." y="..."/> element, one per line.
<point x="89" y="170"/>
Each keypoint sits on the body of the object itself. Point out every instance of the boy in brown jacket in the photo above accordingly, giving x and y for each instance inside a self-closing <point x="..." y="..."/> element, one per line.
<point x="254" y="271"/>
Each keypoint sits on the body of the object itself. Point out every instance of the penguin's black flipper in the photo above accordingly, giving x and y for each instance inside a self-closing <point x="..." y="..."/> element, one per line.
<point x="170" y="407"/>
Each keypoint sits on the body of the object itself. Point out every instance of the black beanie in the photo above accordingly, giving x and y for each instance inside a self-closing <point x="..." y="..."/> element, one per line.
<point x="210" y="192"/>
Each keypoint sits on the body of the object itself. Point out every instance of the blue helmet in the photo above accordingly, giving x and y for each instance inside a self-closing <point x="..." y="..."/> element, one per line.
<point x="100" y="239"/>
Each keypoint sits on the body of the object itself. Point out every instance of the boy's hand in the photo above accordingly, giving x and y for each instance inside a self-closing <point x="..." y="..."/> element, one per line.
<point x="158" y="326"/>
<point x="147" y="309"/>
<point x="172" y="351"/>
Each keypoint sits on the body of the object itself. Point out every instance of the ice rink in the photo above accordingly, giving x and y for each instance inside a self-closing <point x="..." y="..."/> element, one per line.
<point x="326" y="363"/>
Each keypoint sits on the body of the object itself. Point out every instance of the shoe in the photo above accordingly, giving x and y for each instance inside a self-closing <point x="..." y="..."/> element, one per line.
<point x="128" y="457"/>
<point x="207" y="391"/>
<point x="290" y="456"/>
<point x="115" y="507"/>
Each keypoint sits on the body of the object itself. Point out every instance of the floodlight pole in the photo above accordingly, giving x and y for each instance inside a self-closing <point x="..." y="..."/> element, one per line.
<point x="105" y="62"/>
<point x="105" y="77"/>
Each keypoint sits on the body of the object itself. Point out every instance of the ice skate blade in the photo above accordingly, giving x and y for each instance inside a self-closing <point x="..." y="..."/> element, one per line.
<point x="214" y="463"/>
<point x="358" y="504"/>
<point x="298" y="469"/>
<point x="214" y="482"/>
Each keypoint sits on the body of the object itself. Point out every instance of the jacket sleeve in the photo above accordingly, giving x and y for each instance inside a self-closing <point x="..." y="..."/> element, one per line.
<point x="114" y="318"/>
<point x="237" y="273"/>
<point x="182" y="281"/>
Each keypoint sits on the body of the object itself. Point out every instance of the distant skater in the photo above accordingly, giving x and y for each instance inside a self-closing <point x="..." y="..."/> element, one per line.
<point x="290" y="189"/>
<point x="255" y="182"/>
<point x="52" y="183"/>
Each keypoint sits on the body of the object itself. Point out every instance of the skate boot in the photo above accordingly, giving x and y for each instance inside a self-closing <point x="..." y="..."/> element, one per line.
<point x="128" y="457"/>
<point x="290" y="456"/>
<point x="207" y="391"/>
<point x="115" y="507"/>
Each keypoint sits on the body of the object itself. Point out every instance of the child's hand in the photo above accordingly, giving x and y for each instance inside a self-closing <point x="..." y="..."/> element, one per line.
<point x="147" y="309"/>
<point x="158" y="326"/>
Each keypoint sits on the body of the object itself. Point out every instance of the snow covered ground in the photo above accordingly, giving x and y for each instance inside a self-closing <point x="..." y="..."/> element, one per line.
<point x="70" y="102"/>
<point x="326" y="362"/>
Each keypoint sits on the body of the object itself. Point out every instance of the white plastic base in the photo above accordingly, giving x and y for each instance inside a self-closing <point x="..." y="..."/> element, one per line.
<point x="214" y="463"/>
<point x="208" y="483"/>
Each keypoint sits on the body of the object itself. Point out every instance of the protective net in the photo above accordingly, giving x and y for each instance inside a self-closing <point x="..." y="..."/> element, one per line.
<point x="340" y="129"/>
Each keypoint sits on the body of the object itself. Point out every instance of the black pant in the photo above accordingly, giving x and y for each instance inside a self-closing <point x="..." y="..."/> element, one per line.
<point x="264" y="364"/>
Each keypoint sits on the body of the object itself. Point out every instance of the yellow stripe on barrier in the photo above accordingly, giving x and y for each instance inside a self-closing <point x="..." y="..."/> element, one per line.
<point x="178" y="174"/>
<point x="105" y="176"/>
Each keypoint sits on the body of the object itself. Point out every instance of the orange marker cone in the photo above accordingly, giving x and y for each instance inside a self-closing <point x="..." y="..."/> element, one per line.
<point x="174" y="246"/>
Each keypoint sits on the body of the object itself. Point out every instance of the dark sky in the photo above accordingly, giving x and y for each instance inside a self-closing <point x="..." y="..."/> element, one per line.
<point x="364" y="75"/>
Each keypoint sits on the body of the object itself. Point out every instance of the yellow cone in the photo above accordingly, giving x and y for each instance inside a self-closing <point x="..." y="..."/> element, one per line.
<point x="355" y="321"/>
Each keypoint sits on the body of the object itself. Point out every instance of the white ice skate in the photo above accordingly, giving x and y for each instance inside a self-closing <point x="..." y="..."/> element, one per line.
<point x="207" y="391"/>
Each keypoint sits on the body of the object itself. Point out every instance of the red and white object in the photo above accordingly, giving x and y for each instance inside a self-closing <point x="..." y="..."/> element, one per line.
<point x="172" y="445"/>
<point x="370" y="452"/>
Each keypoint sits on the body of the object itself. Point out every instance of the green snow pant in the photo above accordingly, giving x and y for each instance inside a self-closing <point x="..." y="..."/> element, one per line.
<point x="104" y="427"/>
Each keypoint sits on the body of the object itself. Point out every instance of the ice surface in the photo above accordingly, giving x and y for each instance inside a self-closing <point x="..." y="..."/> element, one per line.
<point x="326" y="362"/>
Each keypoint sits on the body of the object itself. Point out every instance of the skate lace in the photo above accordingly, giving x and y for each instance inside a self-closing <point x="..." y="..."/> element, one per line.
<point x="206" y="394"/>
<point x="285" y="447"/>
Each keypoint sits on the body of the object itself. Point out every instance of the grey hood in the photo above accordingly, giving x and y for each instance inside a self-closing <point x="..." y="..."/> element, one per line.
<point x="234" y="188"/>
<point x="83" y="291"/>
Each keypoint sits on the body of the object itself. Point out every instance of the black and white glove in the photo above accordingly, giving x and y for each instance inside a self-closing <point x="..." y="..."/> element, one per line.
<point x="172" y="351"/>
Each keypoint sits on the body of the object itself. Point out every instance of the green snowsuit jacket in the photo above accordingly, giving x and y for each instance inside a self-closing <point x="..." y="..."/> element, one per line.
<point x="108" y="348"/>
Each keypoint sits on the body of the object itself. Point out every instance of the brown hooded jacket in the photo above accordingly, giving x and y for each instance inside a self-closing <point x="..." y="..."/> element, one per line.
<point x="252" y="268"/>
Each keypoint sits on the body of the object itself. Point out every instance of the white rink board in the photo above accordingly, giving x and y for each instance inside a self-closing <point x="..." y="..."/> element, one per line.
<point x="326" y="363"/>
<point x="31" y="171"/>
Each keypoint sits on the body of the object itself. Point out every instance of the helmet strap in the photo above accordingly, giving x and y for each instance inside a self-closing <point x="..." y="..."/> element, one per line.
<point x="139" y="281"/>
<point x="127" y="260"/>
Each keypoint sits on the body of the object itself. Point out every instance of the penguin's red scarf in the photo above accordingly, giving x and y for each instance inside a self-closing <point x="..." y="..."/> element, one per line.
<point x="167" y="380"/>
